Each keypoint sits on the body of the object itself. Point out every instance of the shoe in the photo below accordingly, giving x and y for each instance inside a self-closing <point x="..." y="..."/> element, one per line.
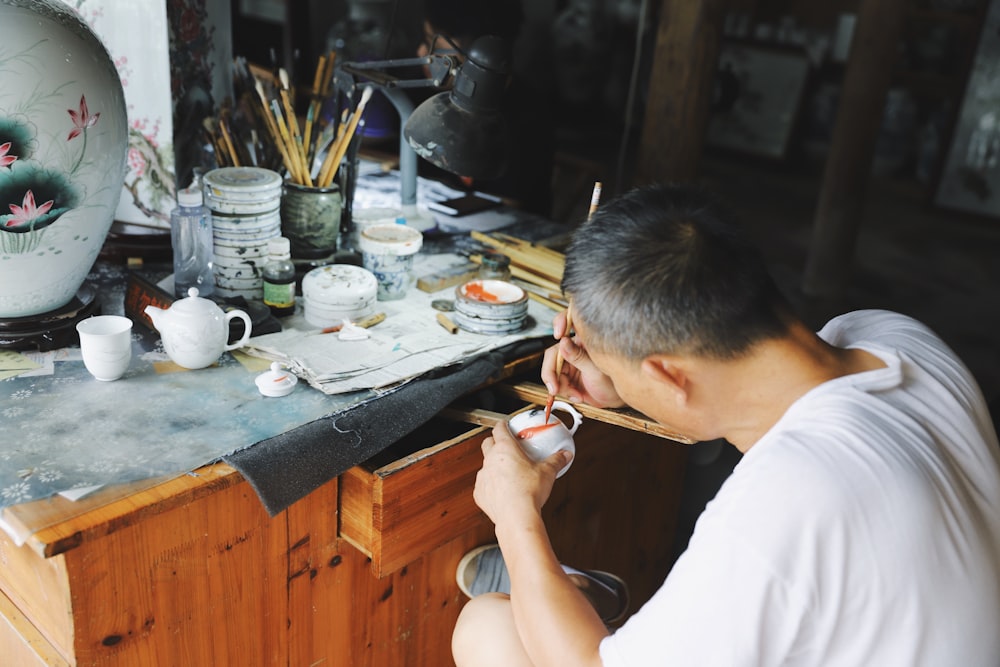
<point x="608" y="593"/>
<point x="483" y="570"/>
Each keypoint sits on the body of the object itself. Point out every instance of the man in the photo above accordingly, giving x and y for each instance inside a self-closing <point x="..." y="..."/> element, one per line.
<point x="862" y="525"/>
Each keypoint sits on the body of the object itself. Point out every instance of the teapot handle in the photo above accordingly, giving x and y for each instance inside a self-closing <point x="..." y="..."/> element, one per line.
<point x="577" y="417"/>
<point x="246" y="330"/>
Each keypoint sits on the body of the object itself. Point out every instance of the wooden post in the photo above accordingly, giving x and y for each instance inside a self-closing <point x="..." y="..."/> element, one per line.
<point x="680" y="90"/>
<point x="859" y="116"/>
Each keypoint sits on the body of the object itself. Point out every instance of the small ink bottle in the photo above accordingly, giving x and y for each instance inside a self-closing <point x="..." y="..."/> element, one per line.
<point x="494" y="266"/>
<point x="279" y="277"/>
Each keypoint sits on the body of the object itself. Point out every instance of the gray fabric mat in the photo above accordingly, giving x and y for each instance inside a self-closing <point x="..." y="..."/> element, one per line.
<point x="287" y="467"/>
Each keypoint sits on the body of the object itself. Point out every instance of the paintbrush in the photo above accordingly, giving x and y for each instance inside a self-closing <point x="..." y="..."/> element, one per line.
<point x="559" y="365"/>
<point x="595" y="199"/>
<point x="364" y="323"/>
<point x="336" y="154"/>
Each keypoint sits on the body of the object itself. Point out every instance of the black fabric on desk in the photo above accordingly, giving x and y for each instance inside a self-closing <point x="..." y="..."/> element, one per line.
<point x="287" y="467"/>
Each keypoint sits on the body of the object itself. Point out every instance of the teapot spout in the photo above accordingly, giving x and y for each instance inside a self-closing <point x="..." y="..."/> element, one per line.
<point x="155" y="314"/>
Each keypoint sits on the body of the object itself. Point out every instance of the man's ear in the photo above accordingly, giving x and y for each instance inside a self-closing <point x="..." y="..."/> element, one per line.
<point x="668" y="374"/>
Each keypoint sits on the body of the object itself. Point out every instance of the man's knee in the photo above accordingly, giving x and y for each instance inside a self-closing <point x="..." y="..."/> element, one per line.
<point x="485" y="632"/>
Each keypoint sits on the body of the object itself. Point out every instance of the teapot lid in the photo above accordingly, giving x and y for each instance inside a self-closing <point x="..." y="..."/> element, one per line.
<point x="193" y="304"/>
<point x="276" y="382"/>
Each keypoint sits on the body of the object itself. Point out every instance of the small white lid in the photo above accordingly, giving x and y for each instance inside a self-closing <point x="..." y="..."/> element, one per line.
<point x="339" y="285"/>
<point x="276" y="382"/>
<point x="245" y="183"/>
<point x="194" y="306"/>
<point x="390" y="240"/>
<point x="190" y="197"/>
<point x="279" y="246"/>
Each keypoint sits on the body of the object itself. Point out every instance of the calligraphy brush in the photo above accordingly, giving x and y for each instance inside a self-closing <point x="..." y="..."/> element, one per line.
<point x="595" y="199"/>
<point x="559" y="365"/>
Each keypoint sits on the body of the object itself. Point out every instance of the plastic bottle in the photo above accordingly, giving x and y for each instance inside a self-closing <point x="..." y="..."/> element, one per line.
<point x="279" y="277"/>
<point x="191" y="239"/>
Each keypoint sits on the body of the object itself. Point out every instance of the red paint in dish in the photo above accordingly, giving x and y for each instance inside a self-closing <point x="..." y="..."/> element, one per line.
<point x="476" y="291"/>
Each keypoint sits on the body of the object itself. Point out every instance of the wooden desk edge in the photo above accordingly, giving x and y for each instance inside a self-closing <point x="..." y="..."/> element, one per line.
<point x="61" y="530"/>
<point x="65" y="534"/>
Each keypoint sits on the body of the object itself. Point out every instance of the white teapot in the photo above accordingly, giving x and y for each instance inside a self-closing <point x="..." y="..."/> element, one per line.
<point x="195" y="331"/>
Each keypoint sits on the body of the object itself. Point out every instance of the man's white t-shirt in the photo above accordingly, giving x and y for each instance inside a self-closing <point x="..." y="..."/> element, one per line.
<point x="862" y="529"/>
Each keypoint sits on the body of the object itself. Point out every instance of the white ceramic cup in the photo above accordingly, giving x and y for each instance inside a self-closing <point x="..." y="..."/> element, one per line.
<point x="106" y="345"/>
<point x="553" y="436"/>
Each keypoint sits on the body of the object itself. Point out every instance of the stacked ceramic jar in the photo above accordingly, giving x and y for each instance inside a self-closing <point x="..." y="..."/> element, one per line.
<point x="244" y="202"/>
<point x="338" y="292"/>
<point x="494" y="307"/>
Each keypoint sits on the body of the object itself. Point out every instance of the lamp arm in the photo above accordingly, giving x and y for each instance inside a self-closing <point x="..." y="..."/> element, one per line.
<point x="407" y="156"/>
<point x="440" y="68"/>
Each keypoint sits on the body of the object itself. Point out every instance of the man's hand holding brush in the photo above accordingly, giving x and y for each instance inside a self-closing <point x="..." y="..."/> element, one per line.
<point x="567" y="370"/>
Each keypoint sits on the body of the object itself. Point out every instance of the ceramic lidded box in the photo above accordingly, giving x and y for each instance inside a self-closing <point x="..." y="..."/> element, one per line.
<point x="63" y="140"/>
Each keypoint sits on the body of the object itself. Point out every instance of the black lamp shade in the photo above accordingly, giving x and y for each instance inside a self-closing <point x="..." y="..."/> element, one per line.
<point x="463" y="130"/>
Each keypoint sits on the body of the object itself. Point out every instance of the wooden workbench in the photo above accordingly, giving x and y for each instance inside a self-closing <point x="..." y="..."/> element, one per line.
<point x="360" y="572"/>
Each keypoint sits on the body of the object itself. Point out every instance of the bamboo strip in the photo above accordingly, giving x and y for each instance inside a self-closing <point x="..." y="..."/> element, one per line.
<point x="548" y="303"/>
<point x="626" y="417"/>
<point x="529" y="246"/>
<point x="543" y="263"/>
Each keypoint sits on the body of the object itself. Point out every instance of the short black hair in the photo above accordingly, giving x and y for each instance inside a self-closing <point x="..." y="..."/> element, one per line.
<point x="666" y="269"/>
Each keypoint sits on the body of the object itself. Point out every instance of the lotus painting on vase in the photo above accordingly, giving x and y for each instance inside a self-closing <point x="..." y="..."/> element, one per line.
<point x="63" y="137"/>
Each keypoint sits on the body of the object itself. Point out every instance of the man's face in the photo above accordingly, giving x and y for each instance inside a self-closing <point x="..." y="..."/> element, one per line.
<point x="639" y="389"/>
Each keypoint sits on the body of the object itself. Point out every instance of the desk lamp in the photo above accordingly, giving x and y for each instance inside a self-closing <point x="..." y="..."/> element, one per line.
<point x="461" y="130"/>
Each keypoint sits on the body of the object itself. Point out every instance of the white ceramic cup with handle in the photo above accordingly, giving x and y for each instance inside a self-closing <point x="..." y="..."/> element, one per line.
<point x="540" y="439"/>
<point x="106" y="345"/>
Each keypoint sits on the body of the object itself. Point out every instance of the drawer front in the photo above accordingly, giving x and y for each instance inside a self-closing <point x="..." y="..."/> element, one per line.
<point x="400" y="512"/>
<point x="21" y="643"/>
<point x="38" y="587"/>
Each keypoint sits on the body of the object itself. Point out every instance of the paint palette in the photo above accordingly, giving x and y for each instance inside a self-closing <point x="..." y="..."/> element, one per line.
<point x="490" y="307"/>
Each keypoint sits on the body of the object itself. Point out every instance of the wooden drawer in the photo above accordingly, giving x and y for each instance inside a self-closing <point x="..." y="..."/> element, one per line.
<point x="21" y="642"/>
<point x="37" y="588"/>
<point x="399" y="511"/>
<point x="398" y="508"/>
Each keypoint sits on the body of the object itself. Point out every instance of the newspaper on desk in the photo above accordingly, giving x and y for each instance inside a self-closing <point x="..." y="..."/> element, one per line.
<point x="407" y="344"/>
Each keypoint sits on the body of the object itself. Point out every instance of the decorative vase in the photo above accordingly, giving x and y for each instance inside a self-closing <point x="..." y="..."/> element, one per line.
<point x="63" y="141"/>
